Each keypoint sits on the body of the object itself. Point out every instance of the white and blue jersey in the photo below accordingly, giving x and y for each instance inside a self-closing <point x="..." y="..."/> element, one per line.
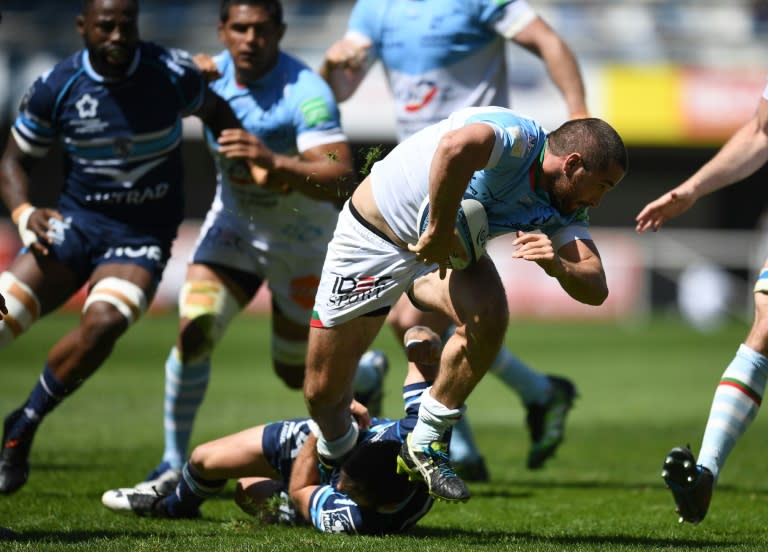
<point x="280" y="238"/>
<point x="439" y="55"/>
<point x="290" y="109"/>
<point x="508" y="187"/>
<point x="332" y="511"/>
<point x="122" y="197"/>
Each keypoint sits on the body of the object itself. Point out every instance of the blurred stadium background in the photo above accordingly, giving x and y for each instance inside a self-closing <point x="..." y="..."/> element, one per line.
<point x="674" y="77"/>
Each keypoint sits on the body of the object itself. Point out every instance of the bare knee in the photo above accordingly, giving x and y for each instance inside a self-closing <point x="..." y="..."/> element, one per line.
<point x="198" y="459"/>
<point x="101" y="325"/>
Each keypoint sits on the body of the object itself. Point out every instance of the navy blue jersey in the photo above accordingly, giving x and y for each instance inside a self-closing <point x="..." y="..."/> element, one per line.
<point x="332" y="511"/>
<point x="121" y="137"/>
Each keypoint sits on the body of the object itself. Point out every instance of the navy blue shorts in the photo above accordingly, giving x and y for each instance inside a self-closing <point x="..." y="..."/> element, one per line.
<point x="84" y="241"/>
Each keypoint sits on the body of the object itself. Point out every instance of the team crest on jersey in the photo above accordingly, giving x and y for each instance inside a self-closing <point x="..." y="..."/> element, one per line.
<point x="87" y="106"/>
<point x="337" y="521"/>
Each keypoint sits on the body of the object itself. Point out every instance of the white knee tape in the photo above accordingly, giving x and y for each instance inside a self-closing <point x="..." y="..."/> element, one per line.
<point x="23" y="307"/>
<point x="125" y="296"/>
<point x="287" y="351"/>
<point x="202" y="298"/>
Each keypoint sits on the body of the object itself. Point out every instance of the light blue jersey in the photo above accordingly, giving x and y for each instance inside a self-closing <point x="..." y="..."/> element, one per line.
<point x="508" y="187"/>
<point x="439" y="55"/>
<point x="291" y="109"/>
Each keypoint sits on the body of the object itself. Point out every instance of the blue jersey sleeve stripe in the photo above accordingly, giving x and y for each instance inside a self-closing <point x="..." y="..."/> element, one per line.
<point x="33" y="130"/>
<point x="160" y="144"/>
<point x="28" y="144"/>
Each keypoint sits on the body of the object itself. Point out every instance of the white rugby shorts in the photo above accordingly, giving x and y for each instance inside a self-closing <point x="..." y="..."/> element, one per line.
<point x="363" y="272"/>
<point x="285" y="251"/>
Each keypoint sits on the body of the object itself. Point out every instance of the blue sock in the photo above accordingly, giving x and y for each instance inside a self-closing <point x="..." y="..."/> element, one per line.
<point x="45" y="396"/>
<point x="191" y="492"/>
<point x="185" y="387"/>
<point x="463" y="448"/>
<point x="533" y="388"/>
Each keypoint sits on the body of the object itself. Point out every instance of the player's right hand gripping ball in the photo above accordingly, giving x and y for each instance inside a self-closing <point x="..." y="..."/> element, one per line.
<point x="471" y="227"/>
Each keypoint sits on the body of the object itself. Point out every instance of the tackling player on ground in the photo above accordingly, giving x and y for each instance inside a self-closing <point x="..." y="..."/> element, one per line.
<point x="277" y="460"/>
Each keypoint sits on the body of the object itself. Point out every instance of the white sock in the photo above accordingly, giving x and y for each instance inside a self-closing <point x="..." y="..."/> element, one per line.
<point x="338" y="447"/>
<point x="434" y="419"/>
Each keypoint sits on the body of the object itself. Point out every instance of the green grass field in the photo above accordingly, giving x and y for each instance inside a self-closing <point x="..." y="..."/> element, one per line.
<point x="643" y="389"/>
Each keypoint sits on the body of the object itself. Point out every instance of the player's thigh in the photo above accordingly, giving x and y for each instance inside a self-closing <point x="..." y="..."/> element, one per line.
<point x="238" y="455"/>
<point x="242" y="284"/>
<point x="333" y="355"/>
<point x="475" y="294"/>
<point x="51" y="281"/>
<point x="132" y="273"/>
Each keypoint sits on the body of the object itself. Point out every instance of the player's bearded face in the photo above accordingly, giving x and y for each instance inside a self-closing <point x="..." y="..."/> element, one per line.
<point x="563" y="196"/>
<point x="583" y="188"/>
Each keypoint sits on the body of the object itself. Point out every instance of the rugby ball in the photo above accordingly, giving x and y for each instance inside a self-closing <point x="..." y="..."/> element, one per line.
<point x="471" y="227"/>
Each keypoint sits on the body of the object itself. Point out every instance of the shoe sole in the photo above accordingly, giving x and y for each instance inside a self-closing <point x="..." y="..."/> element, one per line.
<point x="679" y="472"/>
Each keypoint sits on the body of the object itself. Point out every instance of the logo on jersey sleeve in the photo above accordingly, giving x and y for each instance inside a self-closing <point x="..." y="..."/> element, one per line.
<point x="519" y="146"/>
<point x="337" y="521"/>
<point x="315" y="111"/>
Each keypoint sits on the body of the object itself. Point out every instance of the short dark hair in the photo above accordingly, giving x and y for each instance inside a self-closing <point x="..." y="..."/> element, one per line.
<point x="597" y="141"/>
<point x="273" y="7"/>
<point x="87" y="4"/>
<point x="371" y="470"/>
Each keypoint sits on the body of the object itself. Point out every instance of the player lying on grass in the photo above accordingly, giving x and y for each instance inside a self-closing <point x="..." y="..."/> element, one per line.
<point x="278" y="460"/>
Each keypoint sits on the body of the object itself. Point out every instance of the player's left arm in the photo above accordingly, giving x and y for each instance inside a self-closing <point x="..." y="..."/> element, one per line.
<point x="540" y="39"/>
<point x="576" y="265"/>
<point x="305" y="476"/>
